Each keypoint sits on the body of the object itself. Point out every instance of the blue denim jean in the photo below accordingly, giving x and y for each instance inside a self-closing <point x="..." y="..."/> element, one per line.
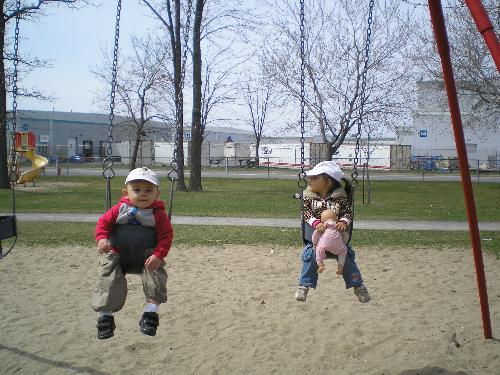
<point x="309" y="272"/>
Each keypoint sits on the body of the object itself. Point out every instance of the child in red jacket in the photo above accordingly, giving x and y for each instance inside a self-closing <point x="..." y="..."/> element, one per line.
<point x="139" y="205"/>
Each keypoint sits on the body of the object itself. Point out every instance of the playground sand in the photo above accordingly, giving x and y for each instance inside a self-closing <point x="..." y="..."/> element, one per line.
<point x="231" y="311"/>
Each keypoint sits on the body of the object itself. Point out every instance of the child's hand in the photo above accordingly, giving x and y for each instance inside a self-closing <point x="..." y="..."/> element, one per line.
<point x="152" y="263"/>
<point x="103" y="246"/>
<point x="320" y="227"/>
<point x="341" y="226"/>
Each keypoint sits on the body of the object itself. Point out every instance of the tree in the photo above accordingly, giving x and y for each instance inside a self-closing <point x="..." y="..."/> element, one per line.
<point x="27" y="11"/>
<point x="218" y="86"/>
<point x="334" y="55"/>
<point x="475" y="72"/>
<point x="257" y="99"/>
<point x="218" y="28"/>
<point x="196" y="125"/>
<point x="172" y="21"/>
<point x="144" y="87"/>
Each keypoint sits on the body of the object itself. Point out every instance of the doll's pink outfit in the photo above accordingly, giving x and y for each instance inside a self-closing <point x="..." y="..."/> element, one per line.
<point x="330" y="240"/>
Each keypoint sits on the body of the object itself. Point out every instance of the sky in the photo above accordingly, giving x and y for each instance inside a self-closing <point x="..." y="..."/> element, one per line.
<point x="73" y="41"/>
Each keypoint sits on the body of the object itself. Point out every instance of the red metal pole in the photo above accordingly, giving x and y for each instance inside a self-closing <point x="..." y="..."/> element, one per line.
<point x="443" y="47"/>
<point x="485" y="27"/>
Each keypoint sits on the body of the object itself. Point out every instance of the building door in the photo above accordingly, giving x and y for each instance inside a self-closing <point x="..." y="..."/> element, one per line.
<point x="71" y="146"/>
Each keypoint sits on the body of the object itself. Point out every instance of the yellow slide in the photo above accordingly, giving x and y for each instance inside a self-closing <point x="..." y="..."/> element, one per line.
<point x="37" y="164"/>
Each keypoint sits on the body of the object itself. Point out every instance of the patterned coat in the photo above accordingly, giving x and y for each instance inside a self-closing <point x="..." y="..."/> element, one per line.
<point x="337" y="201"/>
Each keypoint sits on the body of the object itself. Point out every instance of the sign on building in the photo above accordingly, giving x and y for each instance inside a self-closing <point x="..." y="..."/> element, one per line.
<point x="44" y="138"/>
<point x="423" y="133"/>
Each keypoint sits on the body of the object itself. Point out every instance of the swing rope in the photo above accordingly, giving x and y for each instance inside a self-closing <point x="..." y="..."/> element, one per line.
<point x="13" y="172"/>
<point x="302" y="183"/>
<point x="107" y="164"/>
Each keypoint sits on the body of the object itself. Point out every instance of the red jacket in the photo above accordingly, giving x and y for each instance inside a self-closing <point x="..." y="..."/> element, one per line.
<point x="164" y="231"/>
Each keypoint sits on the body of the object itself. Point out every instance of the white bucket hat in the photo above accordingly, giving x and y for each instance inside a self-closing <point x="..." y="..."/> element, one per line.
<point x="143" y="173"/>
<point x="328" y="167"/>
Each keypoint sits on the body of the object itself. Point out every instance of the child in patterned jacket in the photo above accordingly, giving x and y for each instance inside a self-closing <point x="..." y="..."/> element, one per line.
<point x="325" y="192"/>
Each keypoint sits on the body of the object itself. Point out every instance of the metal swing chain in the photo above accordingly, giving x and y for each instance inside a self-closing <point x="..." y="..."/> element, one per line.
<point x="173" y="174"/>
<point x="13" y="174"/>
<point x="107" y="164"/>
<point x="354" y="174"/>
<point x="302" y="183"/>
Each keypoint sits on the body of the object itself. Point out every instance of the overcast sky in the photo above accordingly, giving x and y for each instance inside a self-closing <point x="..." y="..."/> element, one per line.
<point x="74" y="40"/>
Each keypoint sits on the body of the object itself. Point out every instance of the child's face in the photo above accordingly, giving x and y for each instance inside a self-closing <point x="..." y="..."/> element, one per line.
<point x="141" y="193"/>
<point x="319" y="184"/>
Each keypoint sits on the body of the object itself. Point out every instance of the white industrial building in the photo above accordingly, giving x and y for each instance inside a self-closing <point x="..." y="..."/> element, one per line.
<point x="431" y="134"/>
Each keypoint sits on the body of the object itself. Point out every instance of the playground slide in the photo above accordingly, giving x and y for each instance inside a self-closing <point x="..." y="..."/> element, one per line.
<point x="37" y="163"/>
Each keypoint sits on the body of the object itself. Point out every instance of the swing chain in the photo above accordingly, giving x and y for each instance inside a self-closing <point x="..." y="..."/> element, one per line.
<point x="186" y="41"/>
<point x="302" y="183"/>
<point x="107" y="164"/>
<point x="364" y="73"/>
<point x="13" y="173"/>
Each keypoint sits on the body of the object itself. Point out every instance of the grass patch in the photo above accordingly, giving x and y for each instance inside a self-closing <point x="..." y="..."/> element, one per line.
<point x="391" y="200"/>
<point x="68" y="234"/>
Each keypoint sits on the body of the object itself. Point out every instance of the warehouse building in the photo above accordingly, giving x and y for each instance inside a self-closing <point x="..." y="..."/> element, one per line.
<point x="431" y="135"/>
<point x="86" y="134"/>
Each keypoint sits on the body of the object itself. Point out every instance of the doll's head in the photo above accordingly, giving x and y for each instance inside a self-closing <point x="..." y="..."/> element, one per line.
<point x="328" y="216"/>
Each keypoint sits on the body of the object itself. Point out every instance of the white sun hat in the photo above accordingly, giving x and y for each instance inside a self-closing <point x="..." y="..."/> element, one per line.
<point x="143" y="173"/>
<point x="328" y="167"/>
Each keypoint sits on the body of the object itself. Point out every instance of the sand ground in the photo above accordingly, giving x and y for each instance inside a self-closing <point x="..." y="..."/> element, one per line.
<point x="231" y="311"/>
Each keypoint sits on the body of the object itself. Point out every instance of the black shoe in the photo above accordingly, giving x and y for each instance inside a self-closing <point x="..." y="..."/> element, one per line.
<point x="148" y="323"/>
<point x="105" y="327"/>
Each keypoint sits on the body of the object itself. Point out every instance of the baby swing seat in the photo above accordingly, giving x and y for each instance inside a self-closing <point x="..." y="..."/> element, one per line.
<point x="136" y="244"/>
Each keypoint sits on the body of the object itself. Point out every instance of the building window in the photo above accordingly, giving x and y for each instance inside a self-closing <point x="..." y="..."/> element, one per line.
<point x="471" y="148"/>
<point x="87" y="148"/>
<point x="103" y="146"/>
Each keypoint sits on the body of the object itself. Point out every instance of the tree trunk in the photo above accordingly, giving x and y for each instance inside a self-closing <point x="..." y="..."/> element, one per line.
<point x="257" y="144"/>
<point x="196" y="129"/>
<point x="179" y="97"/>
<point x="4" y="174"/>
<point x="330" y="151"/>
<point x="133" y="159"/>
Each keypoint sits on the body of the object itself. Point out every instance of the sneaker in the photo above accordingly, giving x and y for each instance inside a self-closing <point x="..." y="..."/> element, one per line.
<point x="148" y="323"/>
<point x="362" y="293"/>
<point x="301" y="293"/>
<point x="105" y="327"/>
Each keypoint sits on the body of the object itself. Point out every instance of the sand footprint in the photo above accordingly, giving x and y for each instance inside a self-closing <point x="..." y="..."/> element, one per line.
<point x="138" y="347"/>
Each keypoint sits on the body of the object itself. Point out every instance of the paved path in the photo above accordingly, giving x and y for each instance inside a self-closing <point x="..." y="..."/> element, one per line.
<point x="275" y="222"/>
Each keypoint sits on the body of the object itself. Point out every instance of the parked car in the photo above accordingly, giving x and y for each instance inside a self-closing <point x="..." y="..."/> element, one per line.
<point x="76" y="159"/>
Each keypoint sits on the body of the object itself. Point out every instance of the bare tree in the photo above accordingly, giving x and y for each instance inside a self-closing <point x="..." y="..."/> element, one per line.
<point x="29" y="10"/>
<point x="222" y="27"/>
<point x="257" y="98"/>
<point x="475" y="71"/>
<point x="218" y="82"/>
<point x="144" y="87"/>
<point x="171" y="20"/>
<point x="334" y="55"/>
